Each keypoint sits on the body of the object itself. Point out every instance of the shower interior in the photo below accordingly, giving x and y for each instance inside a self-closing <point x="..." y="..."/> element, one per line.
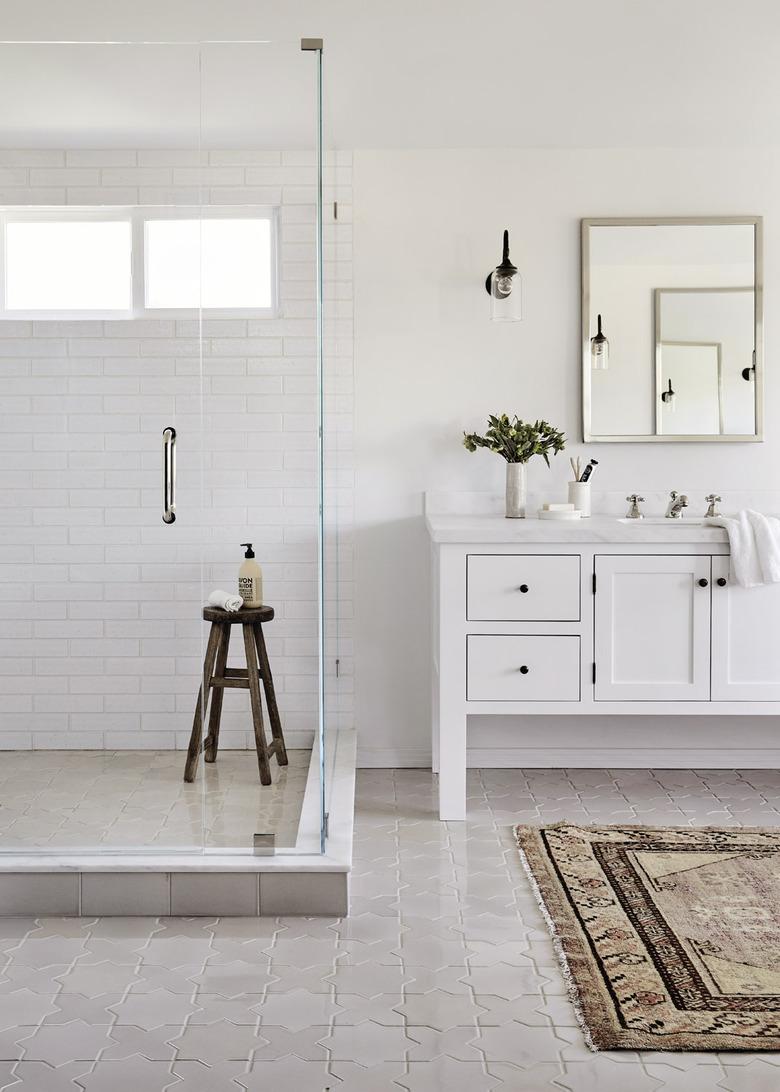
<point x="186" y="151"/>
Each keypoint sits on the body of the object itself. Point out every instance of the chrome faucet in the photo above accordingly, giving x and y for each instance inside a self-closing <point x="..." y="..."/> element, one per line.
<point x="634" y="512"/>
<point x="712" y="500"/>
<point x="674" y="509"/>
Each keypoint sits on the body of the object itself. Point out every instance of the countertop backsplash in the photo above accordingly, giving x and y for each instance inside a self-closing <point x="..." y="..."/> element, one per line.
<point x="604" y="503"/>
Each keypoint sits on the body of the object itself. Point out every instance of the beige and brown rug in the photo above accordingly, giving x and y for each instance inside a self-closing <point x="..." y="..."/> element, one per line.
<point x="669" y="937"/>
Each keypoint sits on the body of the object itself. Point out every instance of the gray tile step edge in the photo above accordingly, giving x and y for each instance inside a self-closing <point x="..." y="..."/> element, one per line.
<point x="188" y="894"/>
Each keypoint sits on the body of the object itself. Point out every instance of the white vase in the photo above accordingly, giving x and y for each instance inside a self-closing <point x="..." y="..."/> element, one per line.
<point x="515" y="491"/>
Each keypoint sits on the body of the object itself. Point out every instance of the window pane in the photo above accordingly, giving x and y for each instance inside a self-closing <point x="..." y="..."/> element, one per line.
<point x="72" y="266"/>
<point x="229" y="259"/>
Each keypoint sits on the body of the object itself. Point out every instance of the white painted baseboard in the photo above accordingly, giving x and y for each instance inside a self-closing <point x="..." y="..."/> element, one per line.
<point x="666" y="758"/>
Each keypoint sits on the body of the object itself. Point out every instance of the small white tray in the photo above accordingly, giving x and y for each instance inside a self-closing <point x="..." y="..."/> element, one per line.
<point x="545" y="514"/>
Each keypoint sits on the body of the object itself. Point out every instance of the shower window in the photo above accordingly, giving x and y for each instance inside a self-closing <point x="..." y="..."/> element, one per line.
<point x="220" y="263"/>
<point x="66" y="265"/>
<point x="132" y="263"/>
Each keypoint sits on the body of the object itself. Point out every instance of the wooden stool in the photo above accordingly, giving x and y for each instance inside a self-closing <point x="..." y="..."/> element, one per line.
<point x="243" y="678"/>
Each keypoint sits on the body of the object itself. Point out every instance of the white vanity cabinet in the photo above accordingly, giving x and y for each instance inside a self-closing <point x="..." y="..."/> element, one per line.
<point x="652" y="627"/>
<point x="594" y="618"/>
<point x="745" y="639"/>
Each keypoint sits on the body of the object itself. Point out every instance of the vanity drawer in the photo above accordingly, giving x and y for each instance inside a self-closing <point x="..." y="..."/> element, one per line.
<point x="523" y="588"/>
<point x="495" y="668"/>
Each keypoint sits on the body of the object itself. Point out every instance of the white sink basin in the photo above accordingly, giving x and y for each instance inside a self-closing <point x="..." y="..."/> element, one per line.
<point x="666" y="522"/>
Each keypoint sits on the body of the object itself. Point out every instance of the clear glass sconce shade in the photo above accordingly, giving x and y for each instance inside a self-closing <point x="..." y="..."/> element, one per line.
<point x="506" y="296"/>
<point x="599" y="350"/>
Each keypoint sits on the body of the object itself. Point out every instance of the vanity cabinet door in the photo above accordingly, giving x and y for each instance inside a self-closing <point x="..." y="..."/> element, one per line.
<point x="745" y="639"/>
<point x="652" y="628"/>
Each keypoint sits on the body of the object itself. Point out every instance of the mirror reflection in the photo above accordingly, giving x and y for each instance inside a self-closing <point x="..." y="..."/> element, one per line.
<point x="671" y="330"/>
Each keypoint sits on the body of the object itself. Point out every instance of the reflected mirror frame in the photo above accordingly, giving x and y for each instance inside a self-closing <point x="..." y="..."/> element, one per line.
<point x="758" y="277"/>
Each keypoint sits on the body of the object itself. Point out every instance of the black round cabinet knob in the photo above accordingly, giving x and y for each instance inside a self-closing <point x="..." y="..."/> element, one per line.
<point x="703" y="582"/>
<point x="722" y="581"/>
<point x="523" y="670"/>
<point x="523" y="588"/>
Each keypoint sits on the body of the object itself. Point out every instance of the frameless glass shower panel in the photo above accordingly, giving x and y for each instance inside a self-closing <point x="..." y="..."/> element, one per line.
<point x="260" y="278"/>
<point x="101" y="649"/>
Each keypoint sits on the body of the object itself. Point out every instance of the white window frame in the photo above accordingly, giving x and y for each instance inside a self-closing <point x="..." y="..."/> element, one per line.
<point x="137" y="216"/>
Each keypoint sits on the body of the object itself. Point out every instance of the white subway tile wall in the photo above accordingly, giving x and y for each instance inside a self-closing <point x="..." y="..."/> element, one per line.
<point x="101" y="637"/>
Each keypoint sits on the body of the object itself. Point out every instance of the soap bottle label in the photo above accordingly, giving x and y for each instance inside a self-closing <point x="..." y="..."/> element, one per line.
<point x="246" y="588"/>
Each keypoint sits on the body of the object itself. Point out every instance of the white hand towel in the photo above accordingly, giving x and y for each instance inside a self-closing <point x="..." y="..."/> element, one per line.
<point x="225" y="601"/>
<point x="754" y="544"/>
<point x="766" y="531"/>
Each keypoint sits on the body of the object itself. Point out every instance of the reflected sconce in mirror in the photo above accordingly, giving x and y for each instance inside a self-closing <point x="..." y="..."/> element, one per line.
<point x="504" y="286"/>
<point x="599" y="350"/>
<point x="668" y="397"/>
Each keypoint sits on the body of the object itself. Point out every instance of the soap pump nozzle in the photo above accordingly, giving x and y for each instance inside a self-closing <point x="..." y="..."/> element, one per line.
<point x="249" y="551"/>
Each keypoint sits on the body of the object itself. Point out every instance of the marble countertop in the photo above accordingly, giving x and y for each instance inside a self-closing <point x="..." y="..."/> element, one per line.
<point x="443" y="527"/>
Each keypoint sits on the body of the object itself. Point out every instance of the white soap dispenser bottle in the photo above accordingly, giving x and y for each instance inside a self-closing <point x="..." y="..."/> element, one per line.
<point x="250" y="579"/>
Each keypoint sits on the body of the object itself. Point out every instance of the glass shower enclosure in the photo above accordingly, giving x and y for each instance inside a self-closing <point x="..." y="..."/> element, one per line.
<point x="162" y="406"/>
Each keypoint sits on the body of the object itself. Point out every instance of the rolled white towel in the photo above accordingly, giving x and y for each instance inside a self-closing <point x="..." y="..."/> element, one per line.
<point x="225" y="601"/>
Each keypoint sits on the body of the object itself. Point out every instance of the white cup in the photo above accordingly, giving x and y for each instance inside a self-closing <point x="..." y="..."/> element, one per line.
<point x="579" y="496"/>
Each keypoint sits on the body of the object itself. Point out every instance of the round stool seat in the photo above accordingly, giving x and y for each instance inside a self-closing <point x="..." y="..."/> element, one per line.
<point x="245" y="616"/>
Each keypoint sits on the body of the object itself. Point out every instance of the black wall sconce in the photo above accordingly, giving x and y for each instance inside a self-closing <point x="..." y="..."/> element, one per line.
<point x="749" y="374"/>
<point x="504" y="286"/>
<point x="599" y="350"/>
<point x="668" y="396"/>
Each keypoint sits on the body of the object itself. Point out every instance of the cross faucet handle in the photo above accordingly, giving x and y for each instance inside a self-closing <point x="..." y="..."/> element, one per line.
<point x="634" y="511"/>
<point x="712" y="500"/>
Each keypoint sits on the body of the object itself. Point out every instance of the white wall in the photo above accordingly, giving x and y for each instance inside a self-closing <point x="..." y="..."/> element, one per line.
<point x="429" y="364"/>
<point x="101" y="639"/>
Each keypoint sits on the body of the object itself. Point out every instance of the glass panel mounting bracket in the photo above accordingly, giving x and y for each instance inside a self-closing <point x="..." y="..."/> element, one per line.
<point x="311" y="45"/>
<point x="264" y="845"/>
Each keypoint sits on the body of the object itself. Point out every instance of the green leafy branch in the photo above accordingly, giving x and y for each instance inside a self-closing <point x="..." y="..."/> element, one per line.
<point x="517" y="441"/>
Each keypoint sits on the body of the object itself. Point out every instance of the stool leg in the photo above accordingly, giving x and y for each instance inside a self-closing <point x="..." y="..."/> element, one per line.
<point x="203" y="699"/>
<point x="257" y="705"/>
<point x="211" y="745"/>
<point x="270" y="697"/>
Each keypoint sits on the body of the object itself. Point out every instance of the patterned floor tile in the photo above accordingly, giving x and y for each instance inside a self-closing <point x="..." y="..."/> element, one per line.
<point x="385" y="1077"/>
<point x="602" y="1075"/>
<point x="57" y="1044"/>
<point x="444" y="976"/>
<point x="289" y="1075"/>
<point x="440" y="1010"/>
<point x="129" y="1075"/>
<point x="449" y="1074"/>
<point x="296" y="1010"/>
<point x="367" y="1043"/>
<point x="151" y="1010"/>
<point x="213" y="1043"/>
<point x="42" y="1077"/>
<point x="756" y="1076"/>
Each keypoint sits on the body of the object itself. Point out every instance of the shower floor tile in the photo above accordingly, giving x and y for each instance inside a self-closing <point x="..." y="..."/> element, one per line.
<point x="83" y="799"/>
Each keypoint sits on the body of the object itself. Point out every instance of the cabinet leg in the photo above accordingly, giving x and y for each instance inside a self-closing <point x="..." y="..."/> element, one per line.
<point x="452" y="768"/>
<point x="435" y="728"/>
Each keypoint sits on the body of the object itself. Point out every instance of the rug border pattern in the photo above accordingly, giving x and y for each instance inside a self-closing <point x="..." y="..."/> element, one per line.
<point x="596" y="1007"/>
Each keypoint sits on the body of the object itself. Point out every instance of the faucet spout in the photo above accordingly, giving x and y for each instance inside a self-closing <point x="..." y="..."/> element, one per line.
<point x="678" y="501"/>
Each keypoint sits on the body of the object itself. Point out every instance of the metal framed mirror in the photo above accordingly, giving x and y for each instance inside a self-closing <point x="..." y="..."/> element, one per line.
<point x="672" y="329"/>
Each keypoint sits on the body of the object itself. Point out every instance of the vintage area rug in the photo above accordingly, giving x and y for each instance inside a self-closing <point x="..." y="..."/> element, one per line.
<point x="669" y="937"/>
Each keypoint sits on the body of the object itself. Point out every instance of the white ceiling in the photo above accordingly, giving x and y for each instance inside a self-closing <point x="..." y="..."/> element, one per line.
<point x="402" y="73"/>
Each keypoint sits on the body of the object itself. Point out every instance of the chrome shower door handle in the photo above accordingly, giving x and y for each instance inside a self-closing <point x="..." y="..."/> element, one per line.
<point x="169" y="474"/>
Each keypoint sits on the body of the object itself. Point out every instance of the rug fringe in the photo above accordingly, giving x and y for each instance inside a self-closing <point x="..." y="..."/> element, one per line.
<point x="558" y="947"/>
